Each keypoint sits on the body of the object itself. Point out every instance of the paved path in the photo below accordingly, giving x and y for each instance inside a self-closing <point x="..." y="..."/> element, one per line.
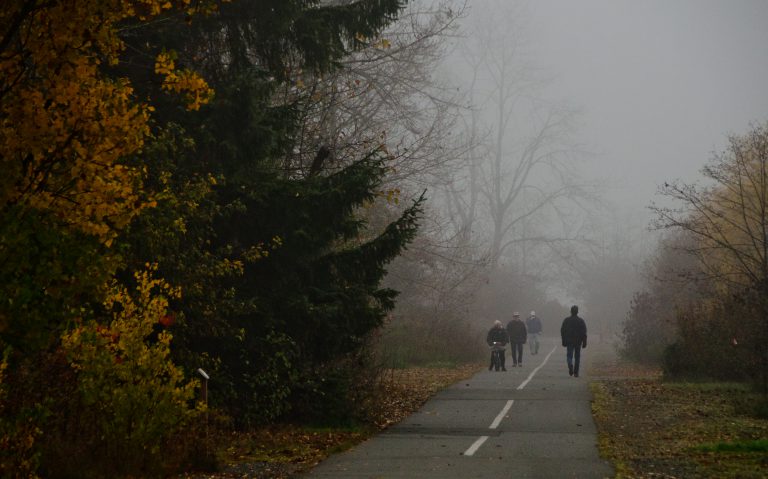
<point x="529" y="422"/>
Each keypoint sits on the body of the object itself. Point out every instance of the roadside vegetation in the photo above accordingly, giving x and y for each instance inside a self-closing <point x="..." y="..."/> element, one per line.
<point x="695" y="403"/>
<point x="185" y="188"/>
<point x="703" y="311"/>
<point x="651" y="427"/>
<point x="207" y="196"/>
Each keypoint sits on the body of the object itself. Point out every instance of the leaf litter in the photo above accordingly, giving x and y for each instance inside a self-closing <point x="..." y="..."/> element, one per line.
<point x="651" y="428"/>
<point x="285" y="450"/>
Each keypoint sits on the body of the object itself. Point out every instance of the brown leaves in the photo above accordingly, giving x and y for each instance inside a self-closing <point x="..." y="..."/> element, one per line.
<point x="650" y="428"/>
<point x="403" y="391"/>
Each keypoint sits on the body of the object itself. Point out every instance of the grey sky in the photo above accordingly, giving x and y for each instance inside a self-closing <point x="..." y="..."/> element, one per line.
<point x="660" y="82"/>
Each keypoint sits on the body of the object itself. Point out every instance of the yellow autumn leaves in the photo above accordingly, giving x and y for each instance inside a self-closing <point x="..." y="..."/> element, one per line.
<point x="731" y="217"/>
<point x="64" y="125"/>
<point x="130" y="380"/>
<point x="67" y="127"/>
<point x="195" y="90"/>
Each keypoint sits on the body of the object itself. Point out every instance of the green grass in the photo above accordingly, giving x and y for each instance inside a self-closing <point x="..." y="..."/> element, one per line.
<point x="758" y="445"/>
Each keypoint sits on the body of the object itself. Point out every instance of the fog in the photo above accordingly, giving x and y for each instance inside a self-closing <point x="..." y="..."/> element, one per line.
<point x="575" y="112"/>
<point x="569" y="115"/>
<point x="659" y="84"/>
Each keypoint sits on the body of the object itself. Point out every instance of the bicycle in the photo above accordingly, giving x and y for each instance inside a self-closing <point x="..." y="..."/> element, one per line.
<point x="497" y="357"/>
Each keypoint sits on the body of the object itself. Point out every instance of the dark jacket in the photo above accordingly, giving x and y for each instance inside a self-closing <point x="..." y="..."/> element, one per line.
<point x="497" y="335"/>
<point x="574" y="331"/>
<point x="533" y="324"/>
<point x="517" y="332"/>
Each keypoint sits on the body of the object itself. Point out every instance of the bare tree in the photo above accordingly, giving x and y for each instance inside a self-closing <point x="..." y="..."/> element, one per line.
<point x="391" y="93"/>
<point x="604" y="270"/>
<point x="525" y="170"/>
<point x="463" y="189"/>
<point x="387" y="94"/>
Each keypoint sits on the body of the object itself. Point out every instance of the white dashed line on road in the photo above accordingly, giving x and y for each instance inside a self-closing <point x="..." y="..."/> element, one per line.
<point x="504" y="411"/>
<point x="475" y="446"/>
<point x="479" y="442"/>
<point x="530" y="376"/>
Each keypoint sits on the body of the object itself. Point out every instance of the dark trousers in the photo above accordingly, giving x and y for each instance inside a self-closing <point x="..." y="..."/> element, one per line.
<point x="573" y="356"/>
<point x="517" y="352"/>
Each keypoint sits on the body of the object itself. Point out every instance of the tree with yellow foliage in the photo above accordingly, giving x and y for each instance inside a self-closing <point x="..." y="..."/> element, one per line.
<point x="727" y="223"/>
<point x="729" y="216"/>
<point x="65" y="129"/>
<point x="68" y="126"/>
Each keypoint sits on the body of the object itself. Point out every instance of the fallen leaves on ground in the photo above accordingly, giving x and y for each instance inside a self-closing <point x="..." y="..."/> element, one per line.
<point x="403" y="391"/>
<point x="652" y="428"/>
<point x="282" y="451"/>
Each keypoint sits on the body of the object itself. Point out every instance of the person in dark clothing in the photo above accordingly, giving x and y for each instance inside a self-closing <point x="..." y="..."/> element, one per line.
<point x="574" y="335"/>
<point x="497" y="338"/>
<point x="533" y="324"/>
<point x="518" y="335"/>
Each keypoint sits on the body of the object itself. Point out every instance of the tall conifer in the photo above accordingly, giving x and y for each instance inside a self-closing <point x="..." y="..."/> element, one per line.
<point x="279" y="273"/>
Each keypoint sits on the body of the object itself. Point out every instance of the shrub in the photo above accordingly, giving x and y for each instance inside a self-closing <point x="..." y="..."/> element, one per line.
<point x="427" y="337"/>
<point x="646" y="331"/>
<point x="335" y="393"/>
<point x="19" y="456"/>
<point x="707" y="347"/>
<point x="131" y="399"/>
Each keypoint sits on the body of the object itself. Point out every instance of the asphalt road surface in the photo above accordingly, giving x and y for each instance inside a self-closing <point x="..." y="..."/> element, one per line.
<point x="532" y="421"/>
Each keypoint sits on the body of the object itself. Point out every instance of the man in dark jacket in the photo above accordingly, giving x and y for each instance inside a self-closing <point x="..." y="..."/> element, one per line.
<point x="518" y="335"/>
<point x="497" y="338"/>
<point x="574" y="335"/>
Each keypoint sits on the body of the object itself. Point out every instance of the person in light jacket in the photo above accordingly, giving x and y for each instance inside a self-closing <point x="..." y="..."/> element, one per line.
<point x="533" y="324"/>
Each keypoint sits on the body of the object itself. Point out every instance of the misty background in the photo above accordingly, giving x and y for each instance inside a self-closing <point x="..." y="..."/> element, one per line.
<point x="565" y="117"/>
<point x="659" y="84"/>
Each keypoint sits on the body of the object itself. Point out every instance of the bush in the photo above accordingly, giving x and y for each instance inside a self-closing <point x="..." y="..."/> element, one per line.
<point x="647" y="332"/>
<point x="679" y="362"/>
<point x="19" y="431"/>
<point x="426" y="337"/>
<point x="130" y="400"/>
<point x="337" y="393"/>
<point x="707" y="347"/>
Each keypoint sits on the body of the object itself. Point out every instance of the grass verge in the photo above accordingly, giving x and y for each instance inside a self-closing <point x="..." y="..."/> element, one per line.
<point x="652" y="428"/>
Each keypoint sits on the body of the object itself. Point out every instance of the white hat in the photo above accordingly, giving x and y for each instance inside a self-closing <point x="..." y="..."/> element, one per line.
<point x="533" y="313"/>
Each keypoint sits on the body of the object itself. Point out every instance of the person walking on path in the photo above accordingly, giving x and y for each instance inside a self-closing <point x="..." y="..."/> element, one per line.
<point x="574" y="335"/>
<point x="517" y="337"/>
<point x="533" y="324"/>
<point x="497" y="338"/>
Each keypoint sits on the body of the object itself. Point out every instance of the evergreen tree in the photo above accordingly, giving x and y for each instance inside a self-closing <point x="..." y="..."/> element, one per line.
<point x="276" y="274"/>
